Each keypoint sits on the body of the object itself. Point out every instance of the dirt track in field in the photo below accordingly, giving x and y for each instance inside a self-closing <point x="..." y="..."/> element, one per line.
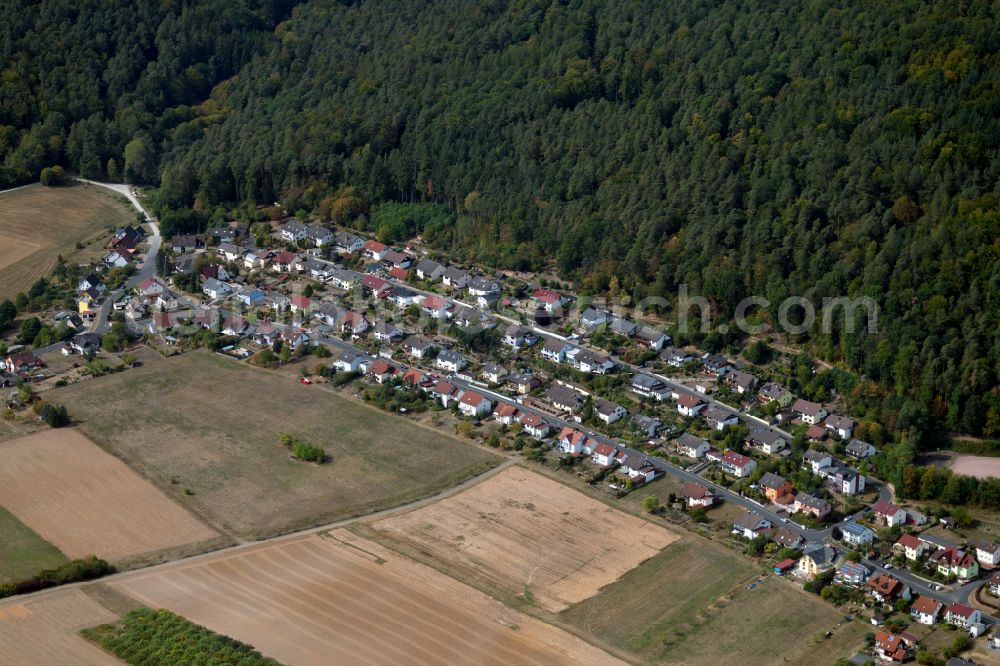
<point x="338" y="599"/>
<point x="86" y="502"/>
<point x="521" y="531"/>
<point x="43" y="631"/>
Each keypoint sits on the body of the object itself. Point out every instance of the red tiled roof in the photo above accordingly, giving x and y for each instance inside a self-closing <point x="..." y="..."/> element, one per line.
<point x="928" y="605"/>
<point x="546" y="295"/>
<point x="603" y="449"/>
<point x="961" y="610"/>
<point x="506" y="409"/>
<point x="379" y="367"/>
<point x="532" y="420"/>
<point x="908" y="541"/>
<point x="736" y="459"/>
<point x="689" y="401"/>
<point x="399" y="273"/>
<point x="695" y="491"/>
<point x="471" y="398"/>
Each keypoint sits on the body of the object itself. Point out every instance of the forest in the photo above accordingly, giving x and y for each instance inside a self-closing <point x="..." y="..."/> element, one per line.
<point x="775" y="148"/>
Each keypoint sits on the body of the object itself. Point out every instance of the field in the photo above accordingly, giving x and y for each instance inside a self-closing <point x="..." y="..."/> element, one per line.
<point x="338" y="598"/>
<point x="22" y="552"/>
<point x="691" y="605"/>
<point x="86" y="502"/>
<point x="981" y="467"/>
<point x="521" y="533"/>
<point x="210" y="425"/>
<point x="37" y="224"/>
<point x="43" y="630"/>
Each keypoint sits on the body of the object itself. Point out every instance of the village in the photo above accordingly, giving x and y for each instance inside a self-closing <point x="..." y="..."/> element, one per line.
<point x="561" y="376"/>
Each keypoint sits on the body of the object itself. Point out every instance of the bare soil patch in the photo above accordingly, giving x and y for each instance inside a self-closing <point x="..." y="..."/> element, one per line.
<point x="338" y="598"/>
<point x="13" y="249"/>
<point x="86" y="502"/>
<point x="526" y="534"/>
<point x="981" y="467"/>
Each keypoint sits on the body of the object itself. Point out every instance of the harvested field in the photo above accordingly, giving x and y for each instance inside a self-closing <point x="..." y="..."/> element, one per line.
<point x="22" y="552"/>
<point x="981" y="467"/>
<point x="44" y="630"/>
<point x="209" y="424"/>
<point x="37" y="224"/>
<point x="338" y="598"/>
<point x="519" y="531"/>
<point x="86" y="502"/>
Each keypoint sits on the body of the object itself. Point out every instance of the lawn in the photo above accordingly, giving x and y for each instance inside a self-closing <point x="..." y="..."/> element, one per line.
<point x="22" y="552"/>
<point x="206" y="429"/>
<point x="692" y="605"/>
<point x="37" y="224"/>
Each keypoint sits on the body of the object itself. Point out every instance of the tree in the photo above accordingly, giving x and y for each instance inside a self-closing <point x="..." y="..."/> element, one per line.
<point x="55" y="415"/>
<point x="138" y="161"/>
<point x="112" y="169"/>
<point x="30" y="328"/>
<point x="651" y="504"/>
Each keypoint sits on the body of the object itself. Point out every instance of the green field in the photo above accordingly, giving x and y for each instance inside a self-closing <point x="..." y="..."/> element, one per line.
<point x="691" y="605"/>
<point x="206" y="429"/>
<point x="22" y="552"/>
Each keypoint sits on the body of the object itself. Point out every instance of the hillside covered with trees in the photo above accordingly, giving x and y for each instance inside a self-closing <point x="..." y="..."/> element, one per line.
<point x="772" y="148"/>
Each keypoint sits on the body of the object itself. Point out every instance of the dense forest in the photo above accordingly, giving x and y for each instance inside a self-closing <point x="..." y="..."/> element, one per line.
<point x="820" y="148"/>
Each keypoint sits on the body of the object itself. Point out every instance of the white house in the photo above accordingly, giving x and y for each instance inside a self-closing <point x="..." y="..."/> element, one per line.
<point x="809" y="412"/>
<point x="691" y="446"/>
<point x="816" y="460"/>
<point x="988" y="553"/>
<point x="473" y="404"/>
<point x="720" y="419"/>
<point x="555" y="350"/>
<point x="925" y="610"/>
<point x="738" y="464"/>
<point x="961" y="615"/>
<point x="215" y="289"/>
<point x="609" y="411"/>
<point x="690" y="405"/>
<point x="450" y="361"/>
<point x="697" y="495"/>
<point x="841" y="426"/>
<point x="535" y="425"/>
<point x="888" y="513"/>
<point x="604" y="454"/>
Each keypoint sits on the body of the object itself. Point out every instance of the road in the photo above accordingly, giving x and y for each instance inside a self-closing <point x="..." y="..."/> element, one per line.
<point x="146" y="269"/>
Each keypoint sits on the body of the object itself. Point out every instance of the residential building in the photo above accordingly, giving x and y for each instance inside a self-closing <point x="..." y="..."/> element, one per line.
<point x="473" y="404"/>
<point x="555" y="350"/>
<point x="418" y="346"/>
<point x="450" y="361"/>
<point x="374" y="249"/>
<point x="384" y="331"/>
<point x="860" y="450"/>
<point x="565" y="399"/>
<point x="549" y="300"/>
<point x="809" y="412"/>
<point x="697" y="495"/>
<point x="961" y="615"/>
<point x="856" y="534"/>
<point x="676" y="358"/>
<point x="608" y="411"/>
<point x="776" y="488"/>
<point x="604" y="455"/>
<point x="649" y="386"/>
<point x="765" y="440"/>
<point x="592" y="318"/>
<point x="816" y="460"/>
<point x="692" y="446"/>
<point x="647" y="425"/>
<point x="926" y="610"/>
<point x="429" y="270"/>
<point x="852" y="573"/>
<point x="897" y="647"/>
<point x="535" y="425"/>
<point x="774" y="392"/>
<point x="455" y="277"/>
<point x="638" y="468"/>
<point x="750" y="524"/>
<point x="494" y="373"/>
<point x="987" y="553"/>
<point x="482" y="286"/>
<point x="912" y="547"/>
<point x="517" y="336"/>
<point x="888" y="513"/>
<point x="719" y="418"/>
<point x="348" y="243"/>
<point x="690" y="405"/>
<point x="737" y="464"/>
<point x="841" y="426"/>
<point x="739" y="381"/>
<point x="715" y="365"/>
<point x="884" y="588"/>
<point x="571" y="440"/>
<point x="816" y="560"/>
<point x="652" y="338"/>
<point x="507" y="413"/>
<point x="815" y="506"/>
<point x="953" y="561"/>
<point x="523" y="382"/>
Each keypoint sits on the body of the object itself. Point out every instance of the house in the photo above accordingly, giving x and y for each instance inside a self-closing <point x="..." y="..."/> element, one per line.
<point x="187" y="243"/>
<point x="652" y="338"/>
<point x="841" y="426"/>
<point x="649" y="386"/>
<point x="953" y="561"/>
<point x="494" y="373"/>
<point x="896" y="647"/>
<point x="676" y="358"/>
<point x="609" y="411"/>
<point x="786" y="538"/>
<point x="549" y="300"/>
<point x="384" y="331"/>
<point x="265" y="334"/>
<point x="774" y="392"/>
<point x="446" y="392"/>
<point x="555" y="350"/>
<point x="404" y="297"/>
<point x="319" y="235"/>
<point x="381" y="371"/>
<point x="737" y="464"/>
<point x="856" y="534"/>
<point x="817" y="559"/>
<point x="564" y="398"/>
<point x="507" y="413"/>
<point x="85" y="343"/>
<point x="348" y="243"/>
<point x="398" y="260"/>
<point x="482" y="286"/>
<point x="418" y="346"/>
<point x="638" y="468"/>
<point x="354" y="323"/>
<point x="592" y="318"/>
<point x="776" y="488"/>
<point x="455" y="277"/>
<point x="604" y="455"/>
<point x="234" y="325"/>
<point x="415" y="378"/>
<point x="377" y="286"/>
<point x="116" y="260"/>
<point x="647" y="425"/>
<point x="994" y="584"/>
<point x="716" y="365"/>
<point x="222" y="234"/>
<point x="809" y="412"/>
<point x="806" y="503"/>
<point x="535" y="425"/>
<point x="22" y="361"/>
<point x="230" y="252"/>
<point x="518" y="336"/>
<point x="450" y="361"/>
<point x="150" y="287"/>
<point x="623" y="327"/>
<point x="256" y="259"/>
<point x="925" y="610"/>
<point x="719" y="418"/>
<point x="342" y="279"/>
<point x="750" y="524"/>
<point x="860" y="450"/>
<point x="962" y="616"/>
<point x="294" y="231"/>
<point x="739" y="381"/>
<point x="523" y="382"/>
<point x="592" y="362"/>
<point x="697" y="495"/>
<point x="435" y="306"/>
<point x="399" y="273"/>
<point x="571" y="440"/>
<point x="429" y="270"/>
<point x="988" y="553"/>
<point x="889" y="514"/>
<point x="884" y="588"/>
<point x="816" y="460"/>
<point x="374" y="249"/>
<point x="852" y="573"/>
<point x="464" y="317"/>
<point x="690" y="405"/>
<point x="765" y="440"/>
<point x="843" y="479"/>
<point x="473" y="404"/>
<point x="912" y="547"/>
<point x="692" y="446"/>
<point x="351" y="360"/>
<point x="301" y="303"/>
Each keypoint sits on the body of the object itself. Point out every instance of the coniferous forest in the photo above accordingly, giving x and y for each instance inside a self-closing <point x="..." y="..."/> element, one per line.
<point x="771" y="147"/>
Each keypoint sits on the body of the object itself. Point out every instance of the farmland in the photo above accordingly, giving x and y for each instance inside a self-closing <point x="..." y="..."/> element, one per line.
<point x="22" y="552"/>
<point x="338" y="598"/>
<point x="521" y="533"/>
<point x="86" y="502"/>
<point x="695" y="607"/>
<point x="37" y="224"/>
<point x="207" y="429"/>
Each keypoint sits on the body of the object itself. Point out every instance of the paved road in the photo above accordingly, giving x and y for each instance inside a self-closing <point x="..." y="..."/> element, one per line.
<point x="147" y="268"/>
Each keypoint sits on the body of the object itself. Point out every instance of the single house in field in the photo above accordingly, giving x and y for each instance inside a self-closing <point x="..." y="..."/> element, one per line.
<point x="692" y="446"/>
<point x="816" y="560"/>
<point x="750" y="524"/>
<point x="776" y="488"/>
<point x="737" y="464"/>
<point x="926" y="610"/>
<point x="609" y="411"/>
<point x="809" y="412"/>
<point x="638" y="468"/>
<point x="856" y="534"/>
<point x="690" y="405"/>
<point x="473" y="404"/>
<point x="697" y="495"/>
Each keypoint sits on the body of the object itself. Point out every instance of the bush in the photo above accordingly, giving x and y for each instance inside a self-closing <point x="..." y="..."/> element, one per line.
<point x="71" y="572"/>
<point x="54" y="415"/>
<point x="301" y="450"/>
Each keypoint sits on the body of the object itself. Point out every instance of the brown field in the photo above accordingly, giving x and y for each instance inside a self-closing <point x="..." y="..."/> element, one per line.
<point x="521" y="531"/>
<point x="206" y="423"/>
<point x="981" y="467"/>
<point x="86" y="502"/>
<point x="37" y="224"/>
<point x="44" y="630"/>
<point x="338" y="598"/>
